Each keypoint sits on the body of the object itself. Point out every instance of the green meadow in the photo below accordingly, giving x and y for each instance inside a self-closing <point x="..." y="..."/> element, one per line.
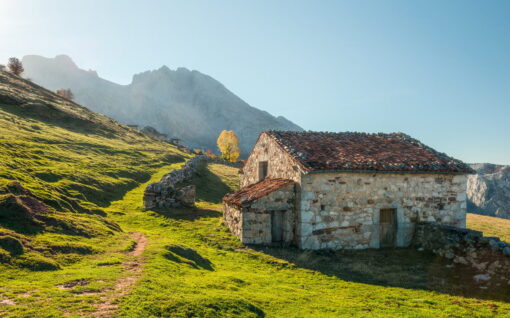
<point x="75" y="240"/>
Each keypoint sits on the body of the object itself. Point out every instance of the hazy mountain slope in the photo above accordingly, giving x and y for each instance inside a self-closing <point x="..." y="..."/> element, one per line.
<point x="60" y="165"/>
<point x="489" y="190"/>
<point x="183" y="104"/>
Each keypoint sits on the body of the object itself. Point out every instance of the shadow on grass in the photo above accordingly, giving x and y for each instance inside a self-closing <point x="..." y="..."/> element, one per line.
<point x="402" y="267"/>
<point x="186" y="255"/>
<point x="188" y="214"/>
<point x="209" y="186"/>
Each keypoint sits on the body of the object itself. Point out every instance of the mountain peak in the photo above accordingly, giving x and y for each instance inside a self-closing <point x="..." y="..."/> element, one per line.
<point x="65" y="60"/>
<point x="181" y="103"/>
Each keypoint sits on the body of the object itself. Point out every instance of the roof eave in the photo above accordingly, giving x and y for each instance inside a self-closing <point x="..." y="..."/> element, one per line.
<point x="390" y="171"/>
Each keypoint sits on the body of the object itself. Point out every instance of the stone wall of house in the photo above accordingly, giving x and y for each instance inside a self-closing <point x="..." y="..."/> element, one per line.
<point x="165" y="194"/>
<point x="233" y="218"/>
<point x="342" y="210"/>
<point x="252" y="222"/>
<point x="487" y="255"/>
<point x="280" y="163"/>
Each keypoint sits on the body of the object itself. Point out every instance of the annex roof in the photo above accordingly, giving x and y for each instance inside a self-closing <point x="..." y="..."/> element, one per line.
<point x="256" y="191"/>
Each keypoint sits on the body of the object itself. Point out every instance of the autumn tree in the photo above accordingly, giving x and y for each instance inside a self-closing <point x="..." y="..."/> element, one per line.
<point x="15" y="66"/>
<point x="229" y="145"/>
<point x="66" y="93"/>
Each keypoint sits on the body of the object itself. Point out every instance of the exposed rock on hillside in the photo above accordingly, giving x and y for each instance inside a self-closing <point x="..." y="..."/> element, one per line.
<point x="183" y="104"/>
<point x="151" y="131"/>
<point x="489" y="190"/>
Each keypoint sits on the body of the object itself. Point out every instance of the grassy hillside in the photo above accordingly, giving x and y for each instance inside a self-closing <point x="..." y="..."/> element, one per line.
<point x="193" y="267"/>
<point x="60" y="165"/>
<point x="75" y="240"/>
<point x="490" y="226"/>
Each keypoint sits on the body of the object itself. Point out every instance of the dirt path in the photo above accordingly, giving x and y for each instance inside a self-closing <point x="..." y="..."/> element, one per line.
<point x="133" y="271"/>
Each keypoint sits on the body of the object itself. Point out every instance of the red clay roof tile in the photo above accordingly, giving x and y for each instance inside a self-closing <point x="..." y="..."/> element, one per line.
<point x="255" y="191"/>
<point x="347" y="151"/>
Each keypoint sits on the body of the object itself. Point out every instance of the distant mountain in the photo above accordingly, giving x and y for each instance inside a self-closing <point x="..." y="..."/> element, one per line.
<point x="489" y="190"/>
<point x="183" y="104"/>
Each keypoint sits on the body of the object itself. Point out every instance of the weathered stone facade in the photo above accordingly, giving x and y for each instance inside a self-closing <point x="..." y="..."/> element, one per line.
<point x="342" y="210"/>
<point x="252" y="222"/>
<point x="352" y="208"/>
<point x="487" y="255"/>
<point x="164" y="194"/>
<point x="280" y="164"/>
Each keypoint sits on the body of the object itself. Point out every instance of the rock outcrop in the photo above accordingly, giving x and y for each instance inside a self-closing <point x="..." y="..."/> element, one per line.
<point x="489" y="190"/>
<point x="182" y="104"/>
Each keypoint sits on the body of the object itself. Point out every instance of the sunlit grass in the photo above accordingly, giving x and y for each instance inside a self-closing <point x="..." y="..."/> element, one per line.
<point x="490" y="226"/>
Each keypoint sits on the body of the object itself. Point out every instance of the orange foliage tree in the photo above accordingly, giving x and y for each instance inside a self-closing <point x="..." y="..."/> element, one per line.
<point x="229" y="146"/>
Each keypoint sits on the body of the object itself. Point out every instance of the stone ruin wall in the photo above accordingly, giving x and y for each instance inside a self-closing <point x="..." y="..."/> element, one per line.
<point x="280" y="163"/>
<point x="487" y="255"/>
<point x="341" y="210"/>
<point x="252" y="222"/>
<point x="164" y="194"/>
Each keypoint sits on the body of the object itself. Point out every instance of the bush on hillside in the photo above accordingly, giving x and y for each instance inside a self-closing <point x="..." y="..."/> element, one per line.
<point x="66" y="93"/>
<point x="15" y="66"/>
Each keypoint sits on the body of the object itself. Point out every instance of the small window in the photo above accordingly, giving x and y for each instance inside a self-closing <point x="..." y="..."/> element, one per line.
<point x="262" y="170"/>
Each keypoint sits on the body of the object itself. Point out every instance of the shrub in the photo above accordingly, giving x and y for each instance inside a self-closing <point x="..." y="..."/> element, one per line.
<point x="15" y="66"/>
<point x="66" y="93"/>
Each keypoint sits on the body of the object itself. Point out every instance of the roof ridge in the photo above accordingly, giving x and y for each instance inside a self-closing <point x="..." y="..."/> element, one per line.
<point x="390" y="152"/>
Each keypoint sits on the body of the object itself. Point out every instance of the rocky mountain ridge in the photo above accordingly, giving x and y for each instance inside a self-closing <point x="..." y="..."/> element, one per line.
<point x="181" y="103"/>
<point x="489" y="190"/>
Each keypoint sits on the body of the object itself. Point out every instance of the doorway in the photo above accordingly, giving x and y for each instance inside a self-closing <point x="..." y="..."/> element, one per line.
<point x="388" y="223"/>
<point x="277" y="226"/>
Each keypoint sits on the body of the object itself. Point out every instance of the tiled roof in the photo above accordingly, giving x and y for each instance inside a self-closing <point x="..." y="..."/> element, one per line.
<point x="347" y="151"/>
<point x="256" y="191"/>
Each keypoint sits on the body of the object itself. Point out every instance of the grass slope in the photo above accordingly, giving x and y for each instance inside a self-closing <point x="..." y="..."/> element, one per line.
<point x="490" y="226"/>
<point x="195" y="268"/>
<point x="60" y="165"/>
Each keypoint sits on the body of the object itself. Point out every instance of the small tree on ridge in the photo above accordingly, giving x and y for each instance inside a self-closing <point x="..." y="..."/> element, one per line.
<point x="66" y="93"/>
<point x="15" y="66"/>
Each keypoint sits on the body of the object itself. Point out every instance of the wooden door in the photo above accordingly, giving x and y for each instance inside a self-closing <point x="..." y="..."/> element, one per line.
<point x="388" y="222"/>
<point x="277" y="226"/>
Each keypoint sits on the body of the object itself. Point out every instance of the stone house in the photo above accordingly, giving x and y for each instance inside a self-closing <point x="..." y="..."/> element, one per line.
<point x="348" y="190"/>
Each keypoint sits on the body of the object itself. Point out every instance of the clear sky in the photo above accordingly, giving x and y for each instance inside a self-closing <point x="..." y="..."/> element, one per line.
<point x="436" y="70"/>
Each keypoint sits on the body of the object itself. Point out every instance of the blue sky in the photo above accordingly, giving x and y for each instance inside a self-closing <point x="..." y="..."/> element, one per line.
<point x="436" y="70"/>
